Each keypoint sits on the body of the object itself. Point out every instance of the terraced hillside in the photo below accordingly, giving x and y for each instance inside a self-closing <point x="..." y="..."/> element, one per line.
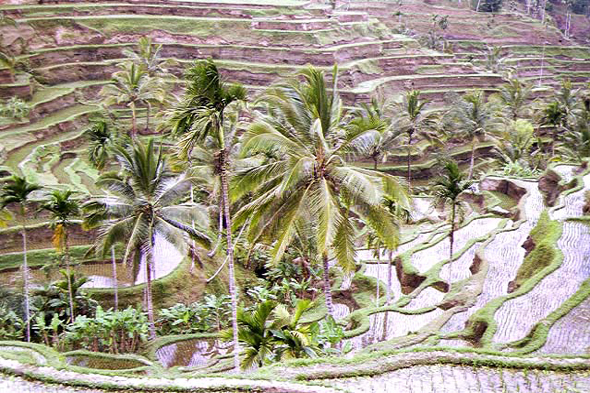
<point x="507" y="311"/>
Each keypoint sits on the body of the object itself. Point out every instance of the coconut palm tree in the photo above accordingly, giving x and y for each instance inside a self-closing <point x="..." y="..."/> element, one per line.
<point x="514" y="98"/>
<point x="473" y="118"/>
<point x="200" y="118"/>
<point x="143" y="204"/>
<point x="17" y="190"/>
<point x="101" y="139"/>
<point x="413" y="120"/>
<point x="149" y="58"/>
<point x="555" y="115"/>
<point x="447" y="189"/>
<point x="63" y="209"/>
<point x="371" y="117"/>
<point x="309" y="180"/>
<point x="576" y="139"/>
<point x="515" y="144"/>
<point x="133" y="86"/>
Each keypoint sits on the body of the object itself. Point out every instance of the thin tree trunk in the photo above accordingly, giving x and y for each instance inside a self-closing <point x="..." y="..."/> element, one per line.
<point x="69" y="269"/>
<point x="26" y="283"/>
<point x="220" y="234"/>
<point x="452" y="239"/>
<point x="148" y="294"/>
<point x="327" y="287"/>
<point x="133" y="121"/>
<point x="378" y="276"/>
<point x="409" y="160"/>
<point x="374" y="163"/>
<point x="114" y="262"/>
<point x="147" y="120"/>
<point x="478" y="4"/>
<point x="230" y="255"/>
<point x="389" y="277"/>
<point x="472" y="161"/>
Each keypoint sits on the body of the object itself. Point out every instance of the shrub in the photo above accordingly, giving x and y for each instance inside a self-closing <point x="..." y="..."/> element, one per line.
<point x="111" y="331"/>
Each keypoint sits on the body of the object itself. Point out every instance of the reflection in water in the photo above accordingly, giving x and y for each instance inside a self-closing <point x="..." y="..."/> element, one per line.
<point x="192" y="353"/>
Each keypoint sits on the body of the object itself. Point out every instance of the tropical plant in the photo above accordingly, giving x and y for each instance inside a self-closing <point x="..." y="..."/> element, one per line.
<point x="111" y="331"/>
<point x="63" y="209"/>
<point x="515" y="144"/>
<point x="309" y="184"/>
<point x="495" y="61"/>
<point x="14" y="108"/>
<point x="473" y="118"/>
<point x="416" y="122"/>
<point x="133" y="86"/>
<point x="149" y="58"/>
<point x="576" y="139"/>
<point x="11" y="324"/>
<point x="514" y="98"/>
<point x="555" y="115"/>
<point x="371" y="117"/>
<point x="486" y="5"/>
<point x="446" y="191"/>
<point x="143" y="204"/>
<point x="201" y="117"/>
<point x="272" y="333"/>
<point x="102" y="139"/>
<point x="17" y="190"/>
<point x="48" y="332"/>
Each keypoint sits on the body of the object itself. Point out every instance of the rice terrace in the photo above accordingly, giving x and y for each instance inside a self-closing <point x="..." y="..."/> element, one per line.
<point x="296" y="196"/>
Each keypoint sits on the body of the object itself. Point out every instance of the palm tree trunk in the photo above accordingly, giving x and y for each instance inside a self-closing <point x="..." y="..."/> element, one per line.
<point x="133" y="121"/>
<point x="374" y="163"/>
<point x="26" y="284"/>
<point x="472" y="161"/>
<point x="114" y="262"/>
<point x="409" y="160"/>
<point x="389" y="277"/>
<point x="452" y="239"/>
<point x="327" y="287"/>
<point x="69" y="269"/>
<point x="230" y="254"/>
<point x="378" y="276"/>
<point x="147" y="119"/>
<point x="148" y="294"/>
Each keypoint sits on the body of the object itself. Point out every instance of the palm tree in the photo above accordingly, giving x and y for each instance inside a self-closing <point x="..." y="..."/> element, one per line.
<point x="413" y="120"/>
<point x="514" y="97"/>
<point x="273" y="332"/>
<point x="447" y="189"/>
<point x="370" y="117"/>
<point x="149" y="58"/>
<point x="18" y="190"/>
<point x="516" y="142"/>
<point x="133" y="86"/>
<point x="474" y="117"/>
<point x="309" y="180"/>
<point x="101" y="139"/>
<point x="555" y="115"/>
<point x="199" y="118"/>
<point x="143" y="204"/>
<point x="576" y="140"/>
<point x="62" y="209"/>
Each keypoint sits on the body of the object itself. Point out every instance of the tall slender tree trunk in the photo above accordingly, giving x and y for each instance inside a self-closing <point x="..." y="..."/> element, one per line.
<point x="133" y="121"/>
<point x="230" y="254"/>
<point x="115" y="282"/>
<point x="26" y="282"/>
<point x="452" y="239"/>
<point x="327" y="287"/>
<point x="409" y="162"/>
<point x="374" y="163"/>
<point x="389" y="277"/>
<point x="478" y="4"/>
<point x="472" y="160"/>
<point x="69" y="269"/>
<point x="147" y="118"/>
<point x="378" y="276"/>
<point x="149" y="261"/>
